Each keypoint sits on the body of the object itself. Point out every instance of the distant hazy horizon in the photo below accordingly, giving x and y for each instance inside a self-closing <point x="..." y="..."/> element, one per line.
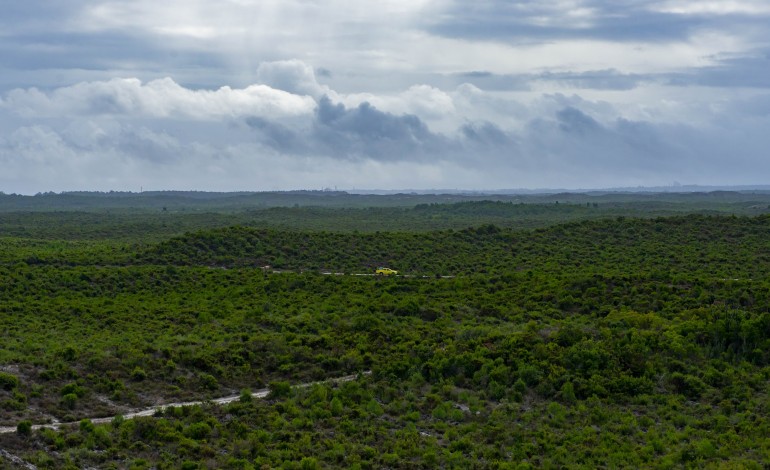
<point x="501" y="191"/>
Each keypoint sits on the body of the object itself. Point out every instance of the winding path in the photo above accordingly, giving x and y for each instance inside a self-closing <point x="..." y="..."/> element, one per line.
<point x="216" y="401"/>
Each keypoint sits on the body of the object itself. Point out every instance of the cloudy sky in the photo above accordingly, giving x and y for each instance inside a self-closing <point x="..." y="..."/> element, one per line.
<point x="394" y="94"/>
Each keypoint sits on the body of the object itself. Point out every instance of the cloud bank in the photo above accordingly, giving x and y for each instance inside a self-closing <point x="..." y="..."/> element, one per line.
<point x="123" y="133"/>
<point x="252" y="95"/>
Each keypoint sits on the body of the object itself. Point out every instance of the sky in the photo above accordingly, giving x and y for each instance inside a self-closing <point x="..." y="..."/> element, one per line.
<point x="246" y="95"/>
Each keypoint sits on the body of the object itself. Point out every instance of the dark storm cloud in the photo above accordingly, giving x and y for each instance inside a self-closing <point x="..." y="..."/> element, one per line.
<point x="367" y="121"/>
<point x="358" y="133"/>
<point x="628" y="20"/>
<point x="485" y="134"/>
<point x="747" y="71"/>
<point x="278" y="136"/>
<point x="43" y="39"/>
<point x="35" y="15"/>
<point x="569" y="140"/>
<point x="98" y="51"/>
<point x="155" y="146"/>
<point x="574" y="121"/>
<point x="572" y="145"/>
<point x="750" y="70"/>
<point x="596" y="80"/>
<point x="34" y="38"/>
<point x="494" y="82"/>
<point x="365" y="131"/>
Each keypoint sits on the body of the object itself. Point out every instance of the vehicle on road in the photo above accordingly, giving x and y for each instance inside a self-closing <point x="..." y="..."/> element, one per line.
<point x="385" y="271"/>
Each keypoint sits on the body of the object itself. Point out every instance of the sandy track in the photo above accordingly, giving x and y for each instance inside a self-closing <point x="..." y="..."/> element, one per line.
<point x="152" y="410"/>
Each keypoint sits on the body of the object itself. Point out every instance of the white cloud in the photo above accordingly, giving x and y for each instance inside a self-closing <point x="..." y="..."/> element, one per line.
<point x="454" y="55"/>
<point x="293" y="76"/>
<point x="161" y="98"/>
<point x="122" y="133"/>
<point x="143" y="136"/>
<point x="429" y="103"/>
<point x="715" y="7"/>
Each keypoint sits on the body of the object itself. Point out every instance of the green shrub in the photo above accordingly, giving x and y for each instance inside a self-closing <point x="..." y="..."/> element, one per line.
<point x="102" y="437"/>
<point x="138" y="374"/>
<point x="688" y="385"/>
<point x="198" y="431"/>
<point x="309" y="463"/>
<point x="17" y="402"/>
<point x="69" y="400"/>
<point x="8" y="381"/>
<point x="530" y="375"/>
<point x="86" y="426"/>
<point x="117" y="421"/>
<point x="374" y="408"/>
<point x="568" y="392"/>
<point x="519" y="386"/>
<point x="335" y="406"/>
<point x="24" y="428"/>
<point x="74" y="389"/>
<point x="279" y="390"/>
<point x="209" y="382"/>
<point x="246" y="396"/>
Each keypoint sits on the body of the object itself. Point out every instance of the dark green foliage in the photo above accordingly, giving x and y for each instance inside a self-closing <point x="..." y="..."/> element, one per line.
<point x="568" y="392"/>
<point x="69" y="401"/>
<point x="86" y="426"/>
<point x="198" y="431"/>
<point x="138" y="374"/>
<point x="616" y="344"/>
<point x="280" y="389"/>
<point x="72" y="389"/>
<point x="24" y="428"/>
<point x="154" y="216"/>
<point x="728" y="247"/>
<point x="8" y="381"/>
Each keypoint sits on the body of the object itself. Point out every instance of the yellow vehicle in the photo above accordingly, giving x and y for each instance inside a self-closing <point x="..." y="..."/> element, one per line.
<point x="385" y="271"/>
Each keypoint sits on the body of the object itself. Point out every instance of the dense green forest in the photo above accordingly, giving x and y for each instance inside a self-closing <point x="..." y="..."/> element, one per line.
<point x="734" y="199"/>
<point x="535" y="335"/>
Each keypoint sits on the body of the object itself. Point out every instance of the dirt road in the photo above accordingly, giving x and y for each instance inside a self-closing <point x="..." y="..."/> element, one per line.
<point x="151" y="411"/>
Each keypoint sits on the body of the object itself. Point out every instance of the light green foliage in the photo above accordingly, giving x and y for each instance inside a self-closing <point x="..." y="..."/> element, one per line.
<point x="336" y="406"/>
<point x="69" y="400"/>
<point x="568" y="392"/>
<point x="245" y="396"/>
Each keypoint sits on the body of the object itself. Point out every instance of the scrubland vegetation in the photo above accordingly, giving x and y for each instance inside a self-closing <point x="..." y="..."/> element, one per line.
<point x="596" y="341"/>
